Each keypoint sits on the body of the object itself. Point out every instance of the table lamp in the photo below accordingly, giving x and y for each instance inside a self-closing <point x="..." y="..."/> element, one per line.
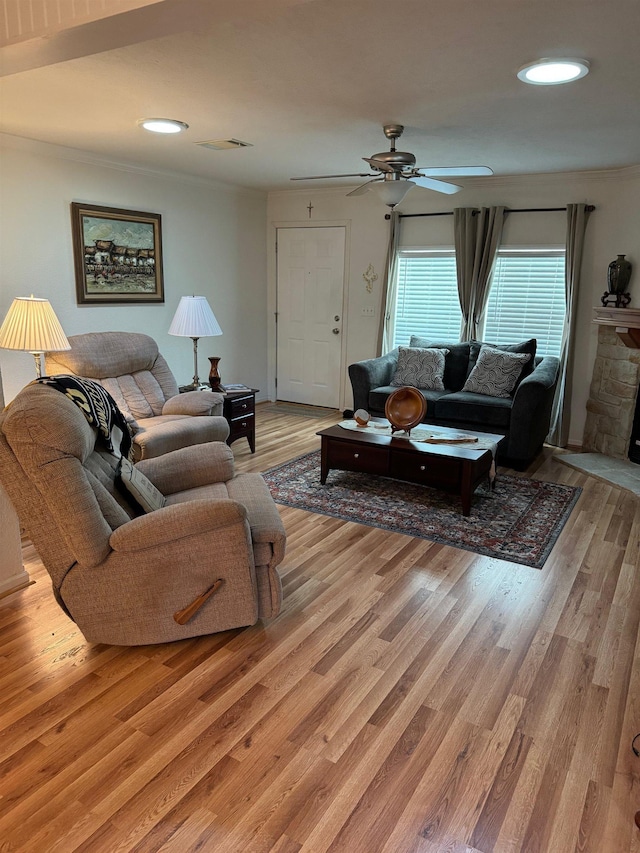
<point x="31" y="325"/>
<point x="194" y="319"/>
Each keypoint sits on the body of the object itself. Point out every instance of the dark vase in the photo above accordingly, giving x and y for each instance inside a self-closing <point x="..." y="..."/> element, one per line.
<point x="618" y="275"/>
<point x="214" y="375"/>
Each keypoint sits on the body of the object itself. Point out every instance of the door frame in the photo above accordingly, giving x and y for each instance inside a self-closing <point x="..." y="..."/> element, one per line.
<point x="272" y="299"/>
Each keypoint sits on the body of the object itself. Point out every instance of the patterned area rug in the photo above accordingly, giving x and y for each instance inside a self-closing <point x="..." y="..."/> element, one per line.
<point x="519" y="521"/>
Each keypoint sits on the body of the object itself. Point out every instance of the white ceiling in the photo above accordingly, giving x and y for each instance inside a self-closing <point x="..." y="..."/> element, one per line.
<point x="310" y="82"/>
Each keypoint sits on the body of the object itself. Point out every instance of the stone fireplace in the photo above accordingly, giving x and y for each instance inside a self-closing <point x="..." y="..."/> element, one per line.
<point x="614" y="385"/>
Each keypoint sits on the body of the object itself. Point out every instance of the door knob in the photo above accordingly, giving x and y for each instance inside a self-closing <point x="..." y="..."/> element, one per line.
<point x="336" y="331"/>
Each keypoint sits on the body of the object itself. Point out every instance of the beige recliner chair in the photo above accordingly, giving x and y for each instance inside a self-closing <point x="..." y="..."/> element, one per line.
<point x="138" y="378"/>
<point x="122" y="575"/>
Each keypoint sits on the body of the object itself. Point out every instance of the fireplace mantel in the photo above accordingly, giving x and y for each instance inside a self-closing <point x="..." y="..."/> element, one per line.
<point x="625" y="320"/>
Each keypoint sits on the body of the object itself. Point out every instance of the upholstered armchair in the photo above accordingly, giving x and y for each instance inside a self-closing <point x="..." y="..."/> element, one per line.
<point x="139" y="379"/>
<point x="125" y="576"/>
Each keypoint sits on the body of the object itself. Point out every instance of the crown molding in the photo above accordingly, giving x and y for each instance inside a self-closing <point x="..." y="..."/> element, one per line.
<point x="531" y="179"/>
<point x="60" y="152"/>
<point x="342" y="189"/>
<point x="596" y="175"/>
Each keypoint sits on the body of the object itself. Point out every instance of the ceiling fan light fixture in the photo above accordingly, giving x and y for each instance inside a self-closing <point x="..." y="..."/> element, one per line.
<point x="392" y="192"/>
<point x="162" y="125"/>
<point x="394" y="173"/>
<point x="552" y="72"/>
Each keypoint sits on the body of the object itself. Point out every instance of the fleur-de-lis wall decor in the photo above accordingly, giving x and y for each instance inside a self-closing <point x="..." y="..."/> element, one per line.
<point x="370" y="276"/>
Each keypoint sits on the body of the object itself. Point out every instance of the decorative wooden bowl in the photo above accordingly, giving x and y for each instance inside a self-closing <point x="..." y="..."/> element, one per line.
<point x="405" y="408"/>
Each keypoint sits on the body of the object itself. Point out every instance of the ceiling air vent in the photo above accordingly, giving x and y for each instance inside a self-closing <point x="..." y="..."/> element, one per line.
<point x="224" y="144"/>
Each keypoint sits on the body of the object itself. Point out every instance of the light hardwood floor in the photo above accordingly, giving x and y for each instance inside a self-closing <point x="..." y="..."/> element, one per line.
<point x="410" y="698"/>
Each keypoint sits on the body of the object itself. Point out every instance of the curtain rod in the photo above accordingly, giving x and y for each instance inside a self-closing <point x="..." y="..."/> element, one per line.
<point x="588" y="207"/>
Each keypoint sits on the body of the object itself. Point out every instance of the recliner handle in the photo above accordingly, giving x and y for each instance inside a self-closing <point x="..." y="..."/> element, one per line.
<point x="188" y="612"/>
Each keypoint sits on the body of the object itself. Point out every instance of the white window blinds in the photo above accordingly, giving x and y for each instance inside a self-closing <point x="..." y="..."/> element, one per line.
<point x="427" y="301"/>
<point x="527" y="299"/>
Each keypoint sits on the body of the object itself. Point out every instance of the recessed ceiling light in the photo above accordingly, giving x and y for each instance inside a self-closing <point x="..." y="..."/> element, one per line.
<point x="162" y="125"/>
<point x="550" y="72"/>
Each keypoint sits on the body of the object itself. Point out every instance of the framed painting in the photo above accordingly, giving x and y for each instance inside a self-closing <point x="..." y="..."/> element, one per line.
<point x="117" y="255"/>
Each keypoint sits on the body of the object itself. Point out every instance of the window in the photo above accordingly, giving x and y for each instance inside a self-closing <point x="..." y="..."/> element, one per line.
<point x="527" y="299"/>
<point x="427" y="301"/>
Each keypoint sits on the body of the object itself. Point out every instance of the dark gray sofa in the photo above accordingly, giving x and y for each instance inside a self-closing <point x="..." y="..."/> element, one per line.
<point x="524" y="418"/>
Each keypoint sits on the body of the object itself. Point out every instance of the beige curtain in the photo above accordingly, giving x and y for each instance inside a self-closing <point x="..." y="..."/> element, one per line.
<point x="477" y="237"/>
<point x="577" y="216"/>
<point x="389" y="287"/>
<point x="464" y="230"/>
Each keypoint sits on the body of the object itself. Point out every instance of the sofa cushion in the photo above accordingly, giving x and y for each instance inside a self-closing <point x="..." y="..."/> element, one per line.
<point x="157" y="436"/>
<point x="467" y="407"/>
<point x="106" y="356"/>
<point x="456" y="364"/>
<point x="102" y="468"/>
<point x="196" y="403"/>
<point x="523" y="347"/>
<point x="378" y="398"/>
<point x="420" y="368"/>
<point x="136" y="394"/>
<point x="496" y="372"/>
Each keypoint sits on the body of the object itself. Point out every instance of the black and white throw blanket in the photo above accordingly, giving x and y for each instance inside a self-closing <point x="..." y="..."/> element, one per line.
<point x="98" y="407"/>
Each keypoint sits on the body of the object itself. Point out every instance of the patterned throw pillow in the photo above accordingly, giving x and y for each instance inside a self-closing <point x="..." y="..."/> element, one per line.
<point x="496" y="372"/>
<point x="524" y="346"/>
<point x="420" y="368"/>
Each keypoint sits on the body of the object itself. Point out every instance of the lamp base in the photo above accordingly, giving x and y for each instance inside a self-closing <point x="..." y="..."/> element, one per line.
<point x="37" y="357"/>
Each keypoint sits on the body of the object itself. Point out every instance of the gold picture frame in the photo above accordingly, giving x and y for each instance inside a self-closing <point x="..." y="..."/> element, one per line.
<point x="117" y="255"/>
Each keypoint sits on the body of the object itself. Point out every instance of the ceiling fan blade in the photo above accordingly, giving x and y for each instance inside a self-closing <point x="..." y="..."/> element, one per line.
<point x="454" y="171"/>
<point x="363" y="188"/>
<point x="380" y="165"/>
<point x="438" y="186"/>
<point x="319" y="177"/>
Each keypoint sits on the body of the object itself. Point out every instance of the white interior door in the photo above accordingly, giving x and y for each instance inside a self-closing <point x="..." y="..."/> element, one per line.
<point x="309" y="333"/>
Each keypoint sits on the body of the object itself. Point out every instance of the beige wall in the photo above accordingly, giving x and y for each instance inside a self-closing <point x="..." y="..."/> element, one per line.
<point x="614" y="228"/>
<point x="213" y="243"/>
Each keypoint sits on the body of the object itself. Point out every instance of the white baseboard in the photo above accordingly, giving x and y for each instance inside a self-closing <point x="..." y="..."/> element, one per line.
<point x="13" y="583"/>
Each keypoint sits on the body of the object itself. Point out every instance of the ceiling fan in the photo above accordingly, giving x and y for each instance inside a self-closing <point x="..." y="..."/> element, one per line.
<point x="396" y="172"/>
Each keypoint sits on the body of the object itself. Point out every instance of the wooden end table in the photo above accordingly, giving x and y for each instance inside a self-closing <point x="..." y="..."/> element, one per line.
<point x="455" y="468"/>
<point x="239" y="408"/>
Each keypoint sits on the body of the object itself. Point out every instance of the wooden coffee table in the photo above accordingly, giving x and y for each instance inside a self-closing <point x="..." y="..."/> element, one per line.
<point x="455" y="468"/>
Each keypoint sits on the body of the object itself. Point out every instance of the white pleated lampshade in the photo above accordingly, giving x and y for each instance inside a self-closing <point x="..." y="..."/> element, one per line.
<point x="31" y="325"/>
<point x="194" y="319"/>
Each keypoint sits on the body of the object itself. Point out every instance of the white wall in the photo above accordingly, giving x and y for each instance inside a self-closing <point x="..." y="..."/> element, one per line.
<point x="214" y="244"/>
<point x="213" y="239"/>
<point x="614" y="228"/>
